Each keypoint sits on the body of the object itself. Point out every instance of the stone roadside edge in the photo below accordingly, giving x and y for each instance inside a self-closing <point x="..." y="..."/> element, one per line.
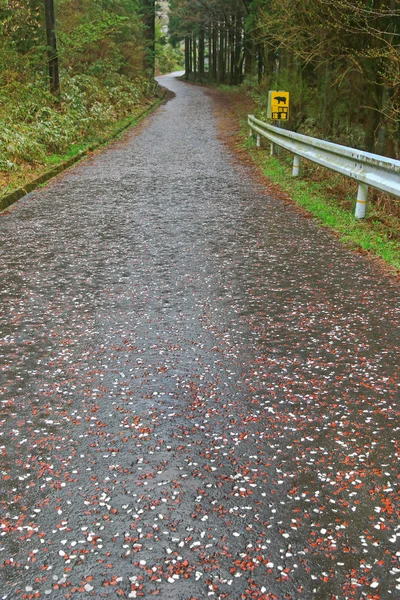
<point x="12" y="197"/>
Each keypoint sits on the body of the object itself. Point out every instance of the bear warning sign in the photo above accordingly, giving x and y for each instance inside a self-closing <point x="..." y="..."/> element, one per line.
<point x="278" y="105"/>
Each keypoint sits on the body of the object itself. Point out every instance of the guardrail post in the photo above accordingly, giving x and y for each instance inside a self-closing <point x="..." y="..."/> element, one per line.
<point x="250" y="133"/>
<point x="367" y="169"/>
<point x="361" y="205"/>
<point x="296" y="165"/>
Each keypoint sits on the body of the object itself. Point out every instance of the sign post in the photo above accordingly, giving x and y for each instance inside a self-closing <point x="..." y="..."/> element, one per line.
<point x="52" y="47"/>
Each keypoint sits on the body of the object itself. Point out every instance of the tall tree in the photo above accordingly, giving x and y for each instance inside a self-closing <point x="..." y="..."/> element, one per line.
<point x="149" y="16"/>
<point x="52" y="46"/>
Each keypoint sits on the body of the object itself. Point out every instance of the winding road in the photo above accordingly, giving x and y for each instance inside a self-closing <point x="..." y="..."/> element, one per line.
<point x="199" y="386"/>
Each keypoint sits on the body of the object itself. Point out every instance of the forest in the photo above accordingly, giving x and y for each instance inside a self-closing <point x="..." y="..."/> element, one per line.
<point x="339" y="59"/>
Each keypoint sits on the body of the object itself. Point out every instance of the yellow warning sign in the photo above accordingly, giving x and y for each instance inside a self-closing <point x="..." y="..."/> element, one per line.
<point x="278" y="105"/>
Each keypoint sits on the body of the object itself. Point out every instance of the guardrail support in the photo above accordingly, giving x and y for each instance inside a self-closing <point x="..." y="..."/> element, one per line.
<point x="250" y="133"/>
<point x="380" y="172"/>
<point x="296" y="165"/>
<point x="361" y="205"/>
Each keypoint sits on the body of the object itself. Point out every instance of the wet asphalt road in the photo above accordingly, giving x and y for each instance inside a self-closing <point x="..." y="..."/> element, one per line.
<point x="199" y="385"/>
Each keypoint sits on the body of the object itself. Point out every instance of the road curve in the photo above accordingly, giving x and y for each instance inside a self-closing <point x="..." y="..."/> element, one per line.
<point x="199" y="386"/>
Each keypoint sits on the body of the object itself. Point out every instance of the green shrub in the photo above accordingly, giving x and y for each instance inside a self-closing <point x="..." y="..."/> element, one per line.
<point x="34" y="125"/>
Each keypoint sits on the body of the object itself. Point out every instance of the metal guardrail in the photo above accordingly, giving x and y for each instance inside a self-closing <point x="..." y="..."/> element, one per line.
<point x="367" y="169"/>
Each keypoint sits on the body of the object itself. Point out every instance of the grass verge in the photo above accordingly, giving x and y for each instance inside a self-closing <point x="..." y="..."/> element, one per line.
<point x="319" y="197"/>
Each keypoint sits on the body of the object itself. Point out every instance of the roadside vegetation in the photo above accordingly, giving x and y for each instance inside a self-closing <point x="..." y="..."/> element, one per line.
<point x="38" y="131"/>
<point x="168" y="57"/>
<point x="322" y="194"/>
<point x="106" y="59"/>
<point x="330" y="199"/>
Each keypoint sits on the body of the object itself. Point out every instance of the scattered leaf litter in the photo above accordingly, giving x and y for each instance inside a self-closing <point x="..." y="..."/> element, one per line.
<point x="200" y="391"/>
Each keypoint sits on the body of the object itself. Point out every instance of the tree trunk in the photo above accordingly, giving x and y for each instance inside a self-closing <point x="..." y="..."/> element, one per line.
<point x="249" y="55"/>
<point x="260" y="61"/>
<point x="215" y="51"/>
<point x="239" y="55"/>
<point x="52" y="47"/>
<point x="194" y="43"/>
<point x="187" y="57"/>
<point x="373" y="117"/>
<point x="149" y="18"/>
<point x="190" y="55"/>
<point x="201" y="52"/>
<point x="210" y="51"/>
<point x="221" y="57"/>
<point x="231" y="50"/>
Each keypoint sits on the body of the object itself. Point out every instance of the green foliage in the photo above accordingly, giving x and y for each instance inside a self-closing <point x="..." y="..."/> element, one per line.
<point x="33" y="125"/>
<point x="20" y="25"/>
<point x="369" y="234"/>
<point x="101" y="37"/>
<point x="168" y="57"/>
